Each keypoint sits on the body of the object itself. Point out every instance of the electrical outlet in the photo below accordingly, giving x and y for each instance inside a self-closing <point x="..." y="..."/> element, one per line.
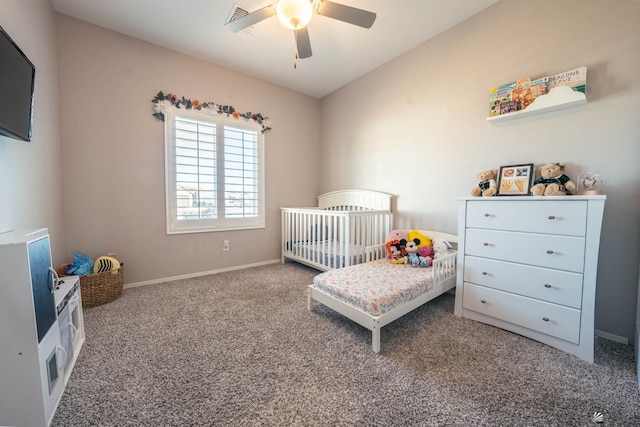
<point x="225" y="245"/>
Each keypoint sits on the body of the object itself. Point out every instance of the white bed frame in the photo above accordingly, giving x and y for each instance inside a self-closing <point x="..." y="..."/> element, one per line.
<point x="342" y="221"/>
<point x="444" y="279"/>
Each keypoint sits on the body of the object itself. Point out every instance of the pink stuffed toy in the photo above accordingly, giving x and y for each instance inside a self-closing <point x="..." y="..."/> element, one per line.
<point x="398" y="235"/>
<point x="425" y="255"/>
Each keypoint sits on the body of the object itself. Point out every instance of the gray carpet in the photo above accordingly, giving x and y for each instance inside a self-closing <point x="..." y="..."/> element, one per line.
<point x="241" y="349"/>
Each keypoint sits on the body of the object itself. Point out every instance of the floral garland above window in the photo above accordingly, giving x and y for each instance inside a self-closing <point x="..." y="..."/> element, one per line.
<point x="164" y="102"/>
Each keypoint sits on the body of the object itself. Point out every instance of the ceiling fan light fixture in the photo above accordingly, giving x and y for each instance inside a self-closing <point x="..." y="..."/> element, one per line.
<point x="294" y="14"/>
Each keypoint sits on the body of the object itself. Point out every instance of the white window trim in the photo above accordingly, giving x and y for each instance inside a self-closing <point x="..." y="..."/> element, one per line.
<point x="173" y="226"/>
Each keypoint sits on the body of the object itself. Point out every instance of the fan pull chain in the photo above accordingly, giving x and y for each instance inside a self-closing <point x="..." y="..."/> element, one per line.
<point x="295" y="62"/>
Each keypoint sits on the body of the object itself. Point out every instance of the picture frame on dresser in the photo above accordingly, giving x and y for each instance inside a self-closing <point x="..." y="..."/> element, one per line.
<point x="515" y="180"/>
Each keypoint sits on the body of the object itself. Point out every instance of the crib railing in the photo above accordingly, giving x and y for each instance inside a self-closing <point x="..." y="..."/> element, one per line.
<point x="328" y="239"/>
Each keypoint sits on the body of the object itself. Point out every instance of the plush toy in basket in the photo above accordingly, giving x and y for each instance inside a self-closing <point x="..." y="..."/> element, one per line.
<point x="100" y="281"/>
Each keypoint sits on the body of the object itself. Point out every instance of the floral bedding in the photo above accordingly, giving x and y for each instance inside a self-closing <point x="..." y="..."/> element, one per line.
<point x="376" y="287"/>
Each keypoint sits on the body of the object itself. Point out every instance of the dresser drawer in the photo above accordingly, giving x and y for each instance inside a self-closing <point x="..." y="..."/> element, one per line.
<point x="551" y="319"/>
<point x="547" y="217"/>
<point x="543" y="250"/>
<point x="555" y="286"/>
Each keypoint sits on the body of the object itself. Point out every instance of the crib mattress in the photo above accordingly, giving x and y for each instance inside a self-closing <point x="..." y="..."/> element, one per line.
<point x="327" y="253"/>
<point x="376" y="287"/>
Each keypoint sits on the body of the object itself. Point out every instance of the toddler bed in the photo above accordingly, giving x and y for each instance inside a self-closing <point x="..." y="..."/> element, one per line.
<point x="376" y="293"/>
<point x="338" y="231"/>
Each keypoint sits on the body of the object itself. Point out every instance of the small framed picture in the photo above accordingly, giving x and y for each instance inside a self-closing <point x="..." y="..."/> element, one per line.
<point x="515" y="180"/>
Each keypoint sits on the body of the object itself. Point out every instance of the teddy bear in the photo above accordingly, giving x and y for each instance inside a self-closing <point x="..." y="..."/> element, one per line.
<point x="552" y="181"/>
<point x="487" y="184"/>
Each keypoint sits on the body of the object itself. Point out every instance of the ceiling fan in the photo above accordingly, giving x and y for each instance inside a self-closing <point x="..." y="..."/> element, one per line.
<point x="296" y="14"/>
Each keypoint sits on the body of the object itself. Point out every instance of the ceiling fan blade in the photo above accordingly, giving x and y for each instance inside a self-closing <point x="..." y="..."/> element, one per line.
<point x="303" y="43"/>
<point x="341" y="12"/>
<point x="251" y="19"/>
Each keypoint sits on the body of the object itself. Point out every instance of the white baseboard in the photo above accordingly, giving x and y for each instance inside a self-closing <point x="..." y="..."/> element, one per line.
<point x="611" y="337"/>
<point x="203" y="273"/>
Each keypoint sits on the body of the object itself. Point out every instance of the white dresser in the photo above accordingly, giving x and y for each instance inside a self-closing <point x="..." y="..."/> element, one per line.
<point x="529" y="265"/>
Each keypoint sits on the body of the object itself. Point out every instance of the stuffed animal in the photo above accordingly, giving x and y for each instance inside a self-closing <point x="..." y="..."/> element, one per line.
<point x="412" y="247"/>
<point x="105" y="263"/>
<point x="82" y="265"/>
<point x="415" y="234"/>
<point x="395" y="251"/>
<point x="398" y="235"/>
<point x="440" y="248"/>
<point x="552" y="181"/>
<point x="409" y="247"/>
<point x="425" y="255"/>
<point x="487" y="184"/>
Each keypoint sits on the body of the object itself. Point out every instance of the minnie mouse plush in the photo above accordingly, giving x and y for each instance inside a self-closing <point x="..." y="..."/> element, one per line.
<point x="396" y="251"/>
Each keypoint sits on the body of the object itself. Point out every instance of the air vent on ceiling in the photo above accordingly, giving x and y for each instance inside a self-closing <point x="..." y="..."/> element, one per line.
<point x="238" y="12"/>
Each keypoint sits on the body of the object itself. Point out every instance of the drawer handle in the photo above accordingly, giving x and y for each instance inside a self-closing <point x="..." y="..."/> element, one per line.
<point x="551" y="217"/>
<point x="483" y="301"/>
<point x="486" y="244"/>
<point x="549" y="251"/>
<point x="546" y="285"/>
<point x="484" y="273"/>
<point x="546" y="319"/>
<point x="487" y="215"/>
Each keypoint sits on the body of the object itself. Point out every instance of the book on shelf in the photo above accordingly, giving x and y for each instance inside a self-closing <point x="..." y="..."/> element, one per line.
<point x="499" y="95"/>
<point x="576" y="79"/>
<point x="529" y="91"/>
<point x="508" y="107"/>
<point x="516" y="95"/>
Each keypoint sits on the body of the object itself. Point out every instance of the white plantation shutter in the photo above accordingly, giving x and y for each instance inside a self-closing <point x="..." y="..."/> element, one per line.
<point x="241" y="173"/>
<point x="214" y="173"/>
<point x="195" y="169"/>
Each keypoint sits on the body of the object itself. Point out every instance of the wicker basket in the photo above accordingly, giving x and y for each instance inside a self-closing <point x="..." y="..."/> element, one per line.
<point x="99" y="288"/>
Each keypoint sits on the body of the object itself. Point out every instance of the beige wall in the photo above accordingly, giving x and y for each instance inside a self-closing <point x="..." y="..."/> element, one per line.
<point x="416" y="126"/>
<point x="30" y="174"/>
<point x="114" y="152"/>
<point x="429" y="105"/>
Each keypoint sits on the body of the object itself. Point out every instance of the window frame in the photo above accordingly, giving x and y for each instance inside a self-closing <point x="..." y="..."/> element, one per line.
<point x="175" y="226"/>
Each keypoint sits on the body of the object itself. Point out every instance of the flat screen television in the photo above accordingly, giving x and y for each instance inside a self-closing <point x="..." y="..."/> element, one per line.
<point x="17" y="76"/>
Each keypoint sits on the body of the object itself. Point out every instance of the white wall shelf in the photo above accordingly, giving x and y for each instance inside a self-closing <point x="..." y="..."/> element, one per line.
<point x="557" y="98"/>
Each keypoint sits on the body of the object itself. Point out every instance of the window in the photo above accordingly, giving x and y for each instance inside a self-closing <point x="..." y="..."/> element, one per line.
<point x="214" y="172"/>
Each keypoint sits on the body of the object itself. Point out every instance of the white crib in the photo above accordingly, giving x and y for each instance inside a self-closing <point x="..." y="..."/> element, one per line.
<point x="338" y="231"/>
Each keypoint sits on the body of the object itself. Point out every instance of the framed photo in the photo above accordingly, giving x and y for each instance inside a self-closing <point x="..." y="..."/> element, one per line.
<point x="515" y="180"/>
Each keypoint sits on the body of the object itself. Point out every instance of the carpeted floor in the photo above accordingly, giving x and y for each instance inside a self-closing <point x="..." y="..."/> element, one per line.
<point x="241" y="349"/>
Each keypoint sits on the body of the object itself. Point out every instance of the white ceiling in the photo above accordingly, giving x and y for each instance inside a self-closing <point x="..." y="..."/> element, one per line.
<point x="341" y="52"/>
